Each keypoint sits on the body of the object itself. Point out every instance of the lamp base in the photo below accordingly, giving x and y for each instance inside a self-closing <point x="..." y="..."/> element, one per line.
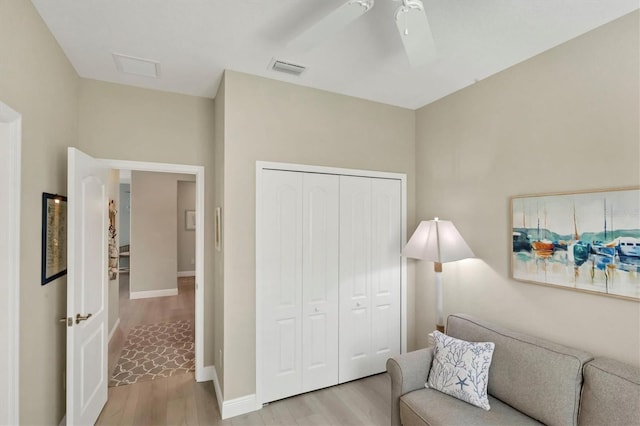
<point x="440" y="328"/>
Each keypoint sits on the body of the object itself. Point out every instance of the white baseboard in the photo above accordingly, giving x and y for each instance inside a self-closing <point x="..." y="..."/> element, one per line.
<point x="233" y="407"/>
<point x="208" y="373"/>
<point x="113" y="330"/>
<point x="186" y="274"/>
<point x="216" y="387"/>
<point x="239" y="406"/>
<point x="153" y="293"/>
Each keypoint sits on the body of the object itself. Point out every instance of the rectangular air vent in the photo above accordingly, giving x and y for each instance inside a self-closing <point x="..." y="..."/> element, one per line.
<point x="286" y="67"/>
<point x="136" y="66"/>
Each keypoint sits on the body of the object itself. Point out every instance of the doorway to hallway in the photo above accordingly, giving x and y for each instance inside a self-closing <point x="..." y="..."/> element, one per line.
<point x="154" y="334"/>
<point x="81" y="377"/>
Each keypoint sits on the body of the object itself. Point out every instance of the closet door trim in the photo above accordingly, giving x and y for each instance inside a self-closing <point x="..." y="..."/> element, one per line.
<point x="265" y="165"/>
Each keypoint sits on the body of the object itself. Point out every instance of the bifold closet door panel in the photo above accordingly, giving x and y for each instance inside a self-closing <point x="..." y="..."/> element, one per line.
<point x="320" y="281"/>
<point x="370" y="274"/>
<point x="386" y="247"/>
<point x="355" y="277"/>
<point x="281" y="269"/>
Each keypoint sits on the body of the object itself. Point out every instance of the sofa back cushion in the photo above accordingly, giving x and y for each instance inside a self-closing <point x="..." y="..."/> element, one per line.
<point x="542" y="379"/>
<point x="610" y="394"/>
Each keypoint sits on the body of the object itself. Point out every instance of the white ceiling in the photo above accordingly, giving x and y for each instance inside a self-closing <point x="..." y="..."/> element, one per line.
<point x="195" y="40"/>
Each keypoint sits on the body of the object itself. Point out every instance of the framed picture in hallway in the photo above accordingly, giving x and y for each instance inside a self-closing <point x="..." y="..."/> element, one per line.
<point x="586" y="241"/>
<point x="54" y="237"/>
<point x="190" y="220"/>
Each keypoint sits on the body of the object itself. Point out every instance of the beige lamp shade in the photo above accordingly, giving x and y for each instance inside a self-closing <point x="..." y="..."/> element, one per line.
<point x="440" y="242"/>
<point x="437" y="241"/>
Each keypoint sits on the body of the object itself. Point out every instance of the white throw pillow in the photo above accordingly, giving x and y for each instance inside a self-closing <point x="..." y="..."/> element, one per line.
<point x="461" y="369"/>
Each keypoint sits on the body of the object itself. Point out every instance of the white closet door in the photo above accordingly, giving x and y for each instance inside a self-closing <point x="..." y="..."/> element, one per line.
<point x="386" y="247"/>
<point x="281" y="248"/>
<point x="320" y="281"/>
<point x="330" y="275"/>
<point x="370" y="274"/>
<point x="355" y="277"/>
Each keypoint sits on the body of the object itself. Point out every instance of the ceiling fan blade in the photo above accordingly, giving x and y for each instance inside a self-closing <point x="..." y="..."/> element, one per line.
<point x="415" y="33"/>
<point x="331" y="24"/>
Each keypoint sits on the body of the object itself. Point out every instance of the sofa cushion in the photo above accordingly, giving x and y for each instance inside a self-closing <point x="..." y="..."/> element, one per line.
<point x="461" y="369"/>
<point x="540" y="378"/>
<point x="430" y="407"/>
<point x="610" y="394"/>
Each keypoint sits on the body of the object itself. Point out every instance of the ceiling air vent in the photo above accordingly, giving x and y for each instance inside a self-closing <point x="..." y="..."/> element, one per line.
<point x="136" y="66"/>
<point x="286" y="67"/>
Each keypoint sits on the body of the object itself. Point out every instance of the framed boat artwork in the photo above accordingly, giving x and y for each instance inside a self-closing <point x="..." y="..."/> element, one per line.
<point x="586" y="241"/>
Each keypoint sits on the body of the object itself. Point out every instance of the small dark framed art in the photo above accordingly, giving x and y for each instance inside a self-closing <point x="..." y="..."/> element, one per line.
<point x="54" y="237"/>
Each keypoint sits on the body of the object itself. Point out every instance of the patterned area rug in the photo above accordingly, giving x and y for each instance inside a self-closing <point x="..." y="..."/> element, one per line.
<point x="155" y="350"/>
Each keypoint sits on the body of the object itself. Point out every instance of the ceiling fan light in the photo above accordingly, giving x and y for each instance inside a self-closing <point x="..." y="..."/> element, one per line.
<point x="415" y="33"/>
<point x="331" y="24"/>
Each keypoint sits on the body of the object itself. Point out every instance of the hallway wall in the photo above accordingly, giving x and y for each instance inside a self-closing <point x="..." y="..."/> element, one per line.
<point x="186" y="237"/>
<point x="38" y="82"/>
<point x="154" y="236"/>
<point x="113" y="193"/>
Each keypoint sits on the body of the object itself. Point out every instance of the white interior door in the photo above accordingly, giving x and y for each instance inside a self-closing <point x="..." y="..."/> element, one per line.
<point x="370" y="274"/>
<point x="320" y="281"/>
<point x="281" y="269"/>
<point x="299" y="225"/>
<point x="355" y="277"/>
<point x="386" y="246"/>
<point x="87" y="280"/>
<point x="329" y="277"/>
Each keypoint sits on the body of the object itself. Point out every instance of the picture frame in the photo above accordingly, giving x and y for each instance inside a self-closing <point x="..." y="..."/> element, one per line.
<point x="190" y="220"/>
<point x="114" y="256"/>
<point x="54" y="237"/>
<point x="587" y="241"/>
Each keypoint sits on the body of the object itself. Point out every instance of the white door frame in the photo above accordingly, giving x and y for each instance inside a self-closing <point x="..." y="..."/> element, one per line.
<point x="10" y="269"/>
<point x="266" y="165"/>
<point x="198" y="171"/>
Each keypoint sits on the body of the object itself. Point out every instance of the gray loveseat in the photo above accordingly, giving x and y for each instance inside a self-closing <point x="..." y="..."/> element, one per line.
<point x="531" y="381"/>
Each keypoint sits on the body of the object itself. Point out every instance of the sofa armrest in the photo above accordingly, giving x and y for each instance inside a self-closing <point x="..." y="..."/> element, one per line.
<point x="408" y="372"/>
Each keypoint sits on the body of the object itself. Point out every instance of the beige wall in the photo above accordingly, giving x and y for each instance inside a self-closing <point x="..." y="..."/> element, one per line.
<point x="128" y="123"/>
<point x="565" y="120"/>
<point x="186" y="238"/>
<point x="38" y="82"/>
<point x="124" y="215"/>
<point x="472" y="152"/>
<point x="154" y="234"/>
<point x="217" y="177"/>
<point x="273" y="121"/>
<point x="113" y="193"/>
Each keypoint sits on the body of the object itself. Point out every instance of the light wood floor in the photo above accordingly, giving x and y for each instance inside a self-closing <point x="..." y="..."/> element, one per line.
<point x="150" y="311"/>
<point x="180" y="400"/>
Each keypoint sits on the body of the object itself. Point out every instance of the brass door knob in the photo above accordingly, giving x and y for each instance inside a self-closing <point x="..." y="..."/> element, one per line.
<point x="82" y="318"/>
